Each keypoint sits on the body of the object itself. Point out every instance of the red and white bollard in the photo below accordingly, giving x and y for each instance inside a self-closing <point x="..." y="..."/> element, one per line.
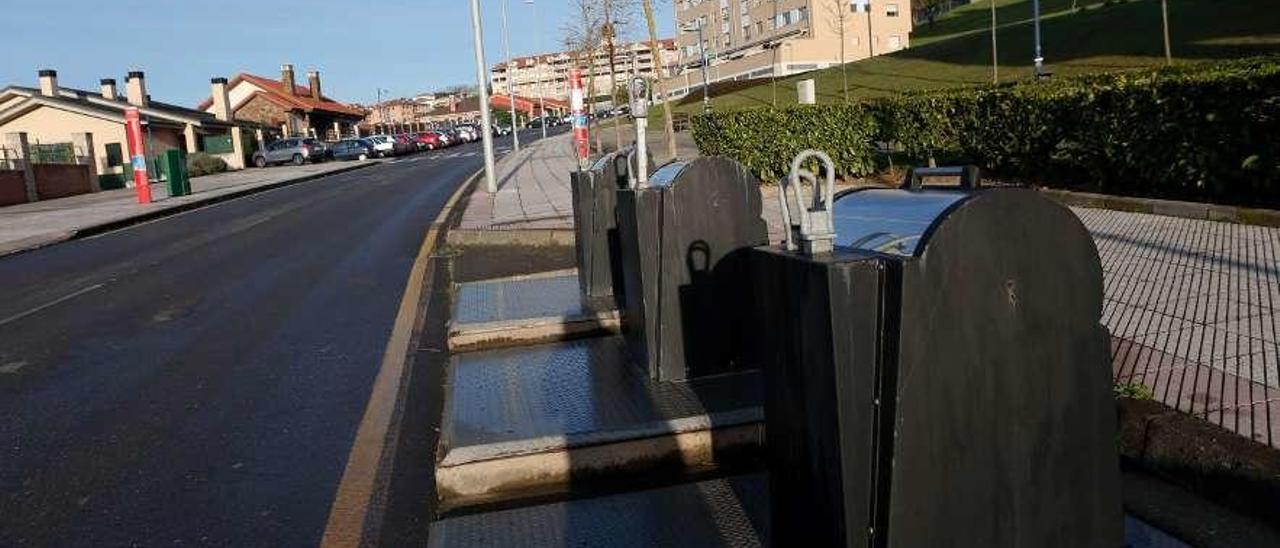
<point x="137" y="154"/>
<point x="577" y="102"/>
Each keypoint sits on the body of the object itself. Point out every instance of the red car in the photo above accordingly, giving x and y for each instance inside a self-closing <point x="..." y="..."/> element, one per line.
<point x="428" y="141"/>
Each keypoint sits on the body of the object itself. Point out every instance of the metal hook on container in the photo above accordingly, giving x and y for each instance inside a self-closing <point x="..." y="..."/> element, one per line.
<point x="812" y="230"/>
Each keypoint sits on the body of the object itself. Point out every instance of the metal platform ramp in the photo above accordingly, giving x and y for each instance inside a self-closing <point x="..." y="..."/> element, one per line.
<point x="525" y="310"/>
<point x="532" y="420"/>
<point x="728" y="512"/>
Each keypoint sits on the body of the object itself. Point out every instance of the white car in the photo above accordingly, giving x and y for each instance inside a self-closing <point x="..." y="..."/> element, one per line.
<point x="383" y="145"/>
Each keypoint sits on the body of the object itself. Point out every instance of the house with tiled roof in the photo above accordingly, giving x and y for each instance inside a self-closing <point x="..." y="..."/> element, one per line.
<point x="295" y="110"/>
<point x="88" y="127"/>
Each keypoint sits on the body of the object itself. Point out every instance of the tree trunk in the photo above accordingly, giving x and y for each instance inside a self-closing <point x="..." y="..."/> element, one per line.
<point x="669" y="124"/>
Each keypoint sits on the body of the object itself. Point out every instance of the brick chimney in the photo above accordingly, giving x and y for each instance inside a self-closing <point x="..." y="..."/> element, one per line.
<point x="108" y="87"/>
<point x="221" y="100"/>
<point x="313" y="82"/>
<point x="286" y="78"/>
<point x="49" y="83"/>
<point x="135" y="88"/>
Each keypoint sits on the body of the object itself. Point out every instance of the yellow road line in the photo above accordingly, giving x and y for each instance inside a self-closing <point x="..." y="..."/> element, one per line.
<point x="359" y="488"/>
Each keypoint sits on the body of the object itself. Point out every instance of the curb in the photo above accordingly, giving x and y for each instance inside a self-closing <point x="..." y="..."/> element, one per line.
<point x="525" y="475"/>
<point x="360" y="496"/>
<point x="528" y="331"/>
<point x="1168" y="208"/>
<point x="514" y="237"/>
<point x="1204" y="458"/>
<point x="38" y="242"/>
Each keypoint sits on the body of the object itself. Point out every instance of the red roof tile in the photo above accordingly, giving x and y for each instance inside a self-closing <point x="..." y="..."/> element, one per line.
<point x="300" y="99"/>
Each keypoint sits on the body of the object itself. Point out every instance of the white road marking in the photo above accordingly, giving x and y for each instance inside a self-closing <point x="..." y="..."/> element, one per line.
<point x="54" y="302"/>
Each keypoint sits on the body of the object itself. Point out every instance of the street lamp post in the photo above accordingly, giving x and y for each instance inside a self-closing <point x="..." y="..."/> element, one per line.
<point x="702" y="51"/>
<point x="537" y="34"/>
<point x="511" y="93"/>
<point x="491" y="183"/>
<point x="1039" y="59"/>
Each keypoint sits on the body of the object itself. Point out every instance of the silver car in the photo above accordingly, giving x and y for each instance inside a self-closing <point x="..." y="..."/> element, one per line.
<point x="297" y="151"/>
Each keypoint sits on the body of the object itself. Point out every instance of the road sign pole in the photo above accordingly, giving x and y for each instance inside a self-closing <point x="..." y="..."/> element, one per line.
<point x="137" y="154"/>
<point x="577" y="100"/>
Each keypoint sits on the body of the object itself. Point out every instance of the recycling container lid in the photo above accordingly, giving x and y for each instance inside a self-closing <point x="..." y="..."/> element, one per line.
<point x="666" y="175"/>
<point x="890" y="221"/>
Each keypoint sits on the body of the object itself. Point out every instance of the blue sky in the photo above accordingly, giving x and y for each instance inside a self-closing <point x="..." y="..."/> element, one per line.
<point x="405" y="46"/>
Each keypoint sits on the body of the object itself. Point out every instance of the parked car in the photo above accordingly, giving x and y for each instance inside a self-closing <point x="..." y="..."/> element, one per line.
<point x="353" y="149"/>
<point x="404" y="144"/>
<point x="466" y="133"/>
<point x="383" y="145"/>
<point x="428" y="140"/>
<point x="535" y="123"/>
<point x="297" y="151"/>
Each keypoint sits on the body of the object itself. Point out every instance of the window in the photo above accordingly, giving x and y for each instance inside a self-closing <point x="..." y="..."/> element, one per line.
<point x="115" y="155"/>
<point x="891" y="10"/>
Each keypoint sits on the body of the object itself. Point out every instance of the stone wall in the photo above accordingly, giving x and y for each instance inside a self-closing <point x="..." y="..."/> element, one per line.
<point x="13" y="189"/>
<point x="61" y="180"/>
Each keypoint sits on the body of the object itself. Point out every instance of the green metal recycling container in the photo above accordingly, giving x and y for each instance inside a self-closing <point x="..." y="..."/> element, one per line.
<point x="174" y="165"/>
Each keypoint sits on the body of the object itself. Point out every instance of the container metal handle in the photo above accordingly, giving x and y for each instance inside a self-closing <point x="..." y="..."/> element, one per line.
<point x="812" y="229"/>
<point x="970" y="176"/>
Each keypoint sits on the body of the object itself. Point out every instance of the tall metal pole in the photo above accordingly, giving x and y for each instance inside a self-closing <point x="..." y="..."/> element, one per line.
<point x="537" y="35"/>
<point x="702" y="48"/>
<point x="1039" y="59"/>
<point x="482" y="80"/>
<point x="995" y="57"/>
<point x="511" y="86"/>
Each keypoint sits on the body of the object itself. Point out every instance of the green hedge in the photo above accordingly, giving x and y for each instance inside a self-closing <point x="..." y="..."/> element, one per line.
<point x="1207" y="131"/>
<point x="200" y="164"/>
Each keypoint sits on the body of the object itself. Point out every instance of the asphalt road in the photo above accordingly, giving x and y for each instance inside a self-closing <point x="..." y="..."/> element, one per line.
<point x="198" y="380"/>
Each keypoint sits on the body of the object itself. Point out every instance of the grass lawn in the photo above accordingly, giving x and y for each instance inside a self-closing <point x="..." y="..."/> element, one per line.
<point x="956" y="49"/>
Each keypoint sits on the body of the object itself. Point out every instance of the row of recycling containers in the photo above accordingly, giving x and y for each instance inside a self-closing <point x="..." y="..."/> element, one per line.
<point x="935" y="370"/>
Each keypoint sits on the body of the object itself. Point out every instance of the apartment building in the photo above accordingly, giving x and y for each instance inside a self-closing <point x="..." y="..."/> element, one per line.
<point x="395" y="111"/>
<point x="760" y="38"/>
<point x="547" y="75"/>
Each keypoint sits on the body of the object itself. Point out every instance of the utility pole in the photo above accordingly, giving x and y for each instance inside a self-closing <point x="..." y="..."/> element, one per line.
<point x="995" y="57"/>
<point x="482" y="80"/>
<point x="511" y="86"/>
<point x="537" y="34"/>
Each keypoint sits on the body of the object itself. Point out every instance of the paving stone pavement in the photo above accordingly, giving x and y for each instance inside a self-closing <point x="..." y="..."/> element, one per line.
<point x="533" y="190"/>
<point x="1192" y="309"/>
<point x="1191" y="304"/>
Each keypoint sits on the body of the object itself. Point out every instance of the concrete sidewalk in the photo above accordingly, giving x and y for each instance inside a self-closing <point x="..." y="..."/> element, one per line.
<point x="534" y="203"/>
<point x="28" y="226"/>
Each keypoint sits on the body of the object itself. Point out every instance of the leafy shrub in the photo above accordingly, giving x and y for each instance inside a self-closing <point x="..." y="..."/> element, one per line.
<point x="765" y="140"/>
<point x="203" y="164"/>
<point x="1133" y="391"/>
<point x="1209" y="131"/>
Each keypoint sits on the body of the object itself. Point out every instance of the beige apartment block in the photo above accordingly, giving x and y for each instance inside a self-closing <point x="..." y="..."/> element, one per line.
<point x="745" y="39"/>
<point x="547" y="75"/>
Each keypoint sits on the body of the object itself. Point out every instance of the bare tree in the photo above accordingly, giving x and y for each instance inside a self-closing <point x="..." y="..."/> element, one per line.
<point x="656" y="53"/>
<point x="839" y="22"/>
<point x="616" y="14"/>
